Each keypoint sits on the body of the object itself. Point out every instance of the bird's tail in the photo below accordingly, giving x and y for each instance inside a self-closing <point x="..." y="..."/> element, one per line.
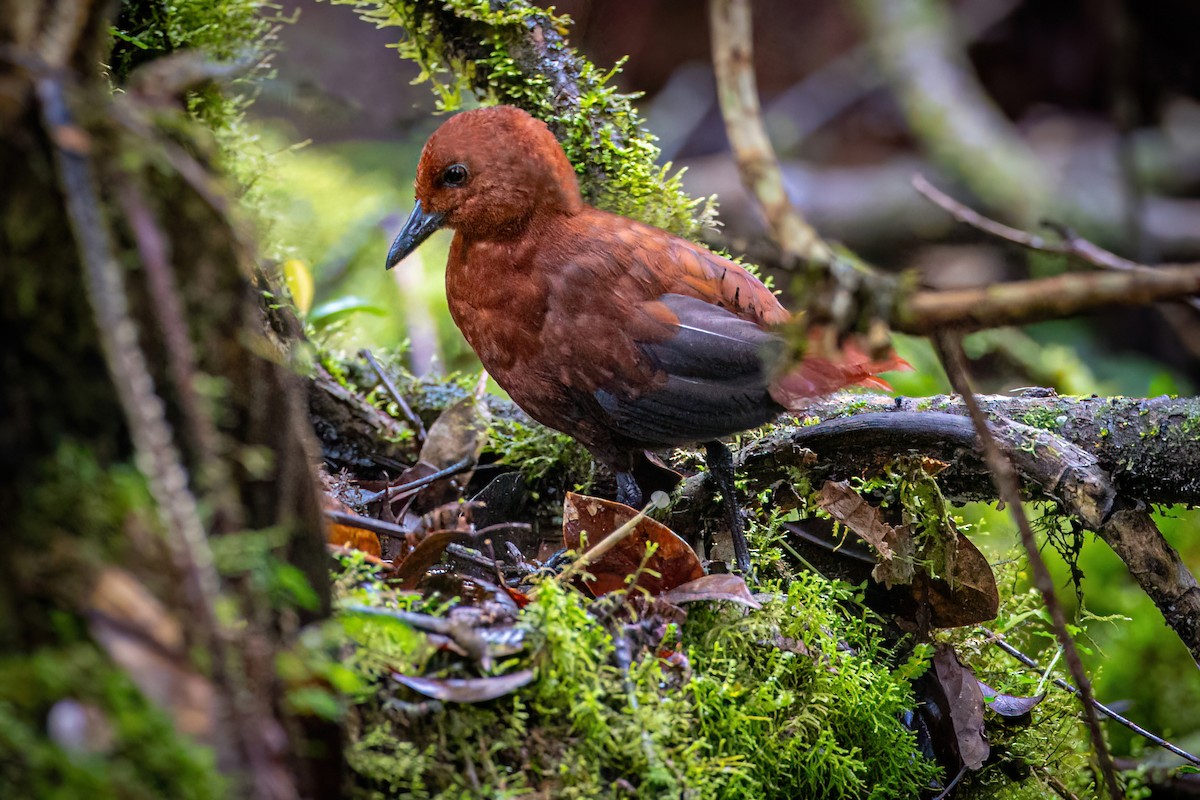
<point x="816" y="376"/>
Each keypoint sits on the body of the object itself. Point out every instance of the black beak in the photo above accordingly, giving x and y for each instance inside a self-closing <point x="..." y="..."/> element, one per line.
<point x="417" y="229"/>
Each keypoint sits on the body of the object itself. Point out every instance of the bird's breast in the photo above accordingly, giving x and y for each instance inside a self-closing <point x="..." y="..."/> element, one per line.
<point x="497" y="303"/>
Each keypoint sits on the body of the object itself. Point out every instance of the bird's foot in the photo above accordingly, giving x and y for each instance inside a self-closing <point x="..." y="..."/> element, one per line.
<point x="720" y="469"/>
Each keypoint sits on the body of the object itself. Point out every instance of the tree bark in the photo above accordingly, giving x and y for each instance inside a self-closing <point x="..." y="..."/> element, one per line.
<point x="127" y="289"/>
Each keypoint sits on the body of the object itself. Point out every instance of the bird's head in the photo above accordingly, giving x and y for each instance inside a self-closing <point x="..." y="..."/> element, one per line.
<point x="486" y="173"/>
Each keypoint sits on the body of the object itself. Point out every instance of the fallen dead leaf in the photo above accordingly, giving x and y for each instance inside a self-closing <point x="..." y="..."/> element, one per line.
<point x="674" y="561"/>
<point x="466" y="690"/>
<point x="952" y="709"/>
<point x="731" y="588"/>
<point x="894" y="545"/>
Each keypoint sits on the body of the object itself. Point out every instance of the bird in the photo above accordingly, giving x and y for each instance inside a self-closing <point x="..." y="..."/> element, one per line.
<point x="624" y="336"/>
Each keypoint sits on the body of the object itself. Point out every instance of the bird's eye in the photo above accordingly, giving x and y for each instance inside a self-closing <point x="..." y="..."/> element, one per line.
<point x="454" y="175"/>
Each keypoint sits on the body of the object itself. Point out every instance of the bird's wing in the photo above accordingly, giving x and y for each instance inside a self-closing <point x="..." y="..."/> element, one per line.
<point x="676" y="266"/>
<point x="712" y="373"/>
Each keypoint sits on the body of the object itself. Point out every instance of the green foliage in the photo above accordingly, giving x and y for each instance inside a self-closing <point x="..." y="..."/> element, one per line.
<point x="830" y="711"/>
<point x="222" y="31"/>
<point x="486" y="49"/>
<point x="587" y="728"/>
<point x="136" y="755"/>
<point x="537" y="452"/>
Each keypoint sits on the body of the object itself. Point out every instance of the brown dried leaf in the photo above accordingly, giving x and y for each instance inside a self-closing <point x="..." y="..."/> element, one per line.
<point x="952" y="708"/>
<point x="967" y="595"/>
<point x="731" y="588"/>
<point x="427" y="553"/>
<point x="354" y="538"/>
<point x="460" y="432"/>
<point x="466" y="690"/>
<point x="894" y="545"/>
<point x="674" y="560"/>
<point x="848" y="507"/>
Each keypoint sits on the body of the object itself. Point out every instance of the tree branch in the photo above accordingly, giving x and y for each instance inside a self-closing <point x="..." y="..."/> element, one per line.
<point x="857" y="438"/>
<point x="733" y="61"/>
<point x="1000" y="461"/>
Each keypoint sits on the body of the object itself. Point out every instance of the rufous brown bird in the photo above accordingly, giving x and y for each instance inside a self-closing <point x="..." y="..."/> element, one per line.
<point x="617" y="333"/>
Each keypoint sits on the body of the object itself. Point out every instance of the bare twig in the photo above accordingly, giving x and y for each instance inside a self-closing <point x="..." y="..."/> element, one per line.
<point x="410" y="416"/>
<point x="377" y="526"/>
<point x="405" y="489"/>
<point x="1070" y="244"/>
<point x="999" y="641"/>
<point x="1023" y="302"/>
<point x="1009" y="489"/>
<point x="733" y="59"/>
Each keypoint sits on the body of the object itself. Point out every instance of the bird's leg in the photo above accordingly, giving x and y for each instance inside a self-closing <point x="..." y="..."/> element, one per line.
<point x="720" y="469"/>
<point x="628" y="491"/>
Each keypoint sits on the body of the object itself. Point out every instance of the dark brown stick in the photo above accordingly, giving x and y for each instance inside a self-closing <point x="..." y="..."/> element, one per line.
<point x="1070" y="244"/>
<point x="1023" y="302"/>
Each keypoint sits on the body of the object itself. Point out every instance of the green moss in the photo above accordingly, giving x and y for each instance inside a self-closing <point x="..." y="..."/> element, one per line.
<point x="488" y="50"/>
<point x="1047" y="419"/>
<point x="538" y="452"/>
<point x="587" y="728"/>
<point x="136" y="753"/>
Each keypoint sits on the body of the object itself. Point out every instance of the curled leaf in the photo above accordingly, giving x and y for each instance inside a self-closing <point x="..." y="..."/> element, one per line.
<point x="466" y="690"/>
<point x="1007" y="705"/>
<point x="893" y="544"/>
<point x="731" y="588"/>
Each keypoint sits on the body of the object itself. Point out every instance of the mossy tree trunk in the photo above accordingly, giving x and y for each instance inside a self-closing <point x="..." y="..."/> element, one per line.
<point x="150" y="430"/>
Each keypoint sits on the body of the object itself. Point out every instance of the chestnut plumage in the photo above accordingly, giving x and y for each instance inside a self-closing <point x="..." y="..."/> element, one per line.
<point x="620" y="334"/>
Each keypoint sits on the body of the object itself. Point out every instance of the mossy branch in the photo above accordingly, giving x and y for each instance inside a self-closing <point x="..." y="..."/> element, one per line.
<point x="517" y="53"/>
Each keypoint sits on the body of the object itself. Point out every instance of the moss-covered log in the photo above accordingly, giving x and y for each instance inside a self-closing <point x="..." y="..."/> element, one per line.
<point x="1149" y="446"/>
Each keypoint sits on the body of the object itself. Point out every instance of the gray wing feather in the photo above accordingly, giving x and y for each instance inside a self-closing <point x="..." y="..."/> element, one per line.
<point x="718" y="375"/>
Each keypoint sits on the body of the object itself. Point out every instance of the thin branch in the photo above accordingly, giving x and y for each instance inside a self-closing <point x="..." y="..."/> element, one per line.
<point x="1070" y="244"/>
<point x="405" y="489"/>
<point x="999" y="641"/>
<point x="1009" y="489"/>
<point x="405" y="409"/>
<point x="1023" y="302"/>
<point x="376" y="526"/>
<point x="733" y="60"/>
